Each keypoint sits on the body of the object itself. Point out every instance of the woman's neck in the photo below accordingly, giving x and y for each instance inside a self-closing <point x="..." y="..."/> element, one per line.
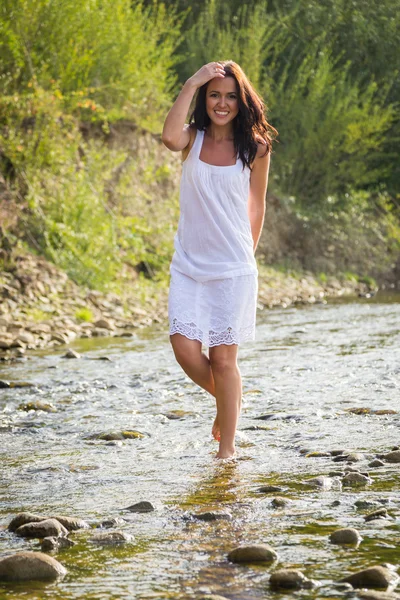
<point x="220" y="132"/>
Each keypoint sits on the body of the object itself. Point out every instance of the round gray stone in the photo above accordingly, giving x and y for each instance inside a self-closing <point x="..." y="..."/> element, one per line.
<point x="356" y="479"/>
<point x="30" y="566"/>
<point x="376" y="577"/>
<point x="290" y="579"/>
<point x="252" y="553"/>
<point x="112" y="538"/>
<point x="346" y="535"/>
<point x="71" y="523"/>
<point x="23" y="518"/>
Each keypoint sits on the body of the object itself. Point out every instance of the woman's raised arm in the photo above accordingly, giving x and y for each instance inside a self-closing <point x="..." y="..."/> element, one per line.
<point x="175" y="134"/>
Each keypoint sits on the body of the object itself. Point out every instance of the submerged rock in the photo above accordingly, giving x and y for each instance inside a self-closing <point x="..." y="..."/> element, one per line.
<point x="376" y="463"/>
<point x="377" y="577"/>
<point x="355" y="479"/>
<point x="52" y="544"/>
<point x="378" y="595"/>
<point x="321" y="481"/>
<point x="47" y="528"/>
<point x="71" y="354"/>
<point x="213" y="597"/>
<point x="141" y="507"/>
<point x="280" y="502"/>
<point x="268" y="489"/>
<point x="114" y="522"/>
<point x="213" y="516"/>
<point x="362" y="503"/>
<point x="290" y="579"/>
<point x="346" y="535"/>
<point x="253" y="553"/>
<point x="37" y="405"/>
<point x="392" y="457"/>
<point x="355" y="457"/>
<point x="23" y="518"/>
<point x="112" y="538"/>
<point x="30" y="566"/>
<point x="381" y="513"/>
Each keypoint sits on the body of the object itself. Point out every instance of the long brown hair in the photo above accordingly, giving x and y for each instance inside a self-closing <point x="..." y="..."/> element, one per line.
<point x="250" y="125"/>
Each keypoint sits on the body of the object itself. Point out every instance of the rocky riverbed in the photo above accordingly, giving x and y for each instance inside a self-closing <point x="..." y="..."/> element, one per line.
<point x="40" y="307"/>
<point x="113" y="462"/>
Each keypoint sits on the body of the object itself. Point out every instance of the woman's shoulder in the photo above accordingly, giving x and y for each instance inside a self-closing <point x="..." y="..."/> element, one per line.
<point x="262" y="147"/>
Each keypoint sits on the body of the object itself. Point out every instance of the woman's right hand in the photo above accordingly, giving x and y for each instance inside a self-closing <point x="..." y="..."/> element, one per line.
<point x="206" y="73"/>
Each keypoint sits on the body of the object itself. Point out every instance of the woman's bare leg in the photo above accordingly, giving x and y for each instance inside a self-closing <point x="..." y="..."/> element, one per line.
<point x="228" y="393"/>
<point x="193" y="361"/>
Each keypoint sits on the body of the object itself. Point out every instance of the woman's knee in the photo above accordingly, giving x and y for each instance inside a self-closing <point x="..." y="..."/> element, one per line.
<point x="223" y="360"/>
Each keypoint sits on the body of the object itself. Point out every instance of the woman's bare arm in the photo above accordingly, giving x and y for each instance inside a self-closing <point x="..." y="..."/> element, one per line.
<point x="175" y="133"/>
<point x="258" y="190"/>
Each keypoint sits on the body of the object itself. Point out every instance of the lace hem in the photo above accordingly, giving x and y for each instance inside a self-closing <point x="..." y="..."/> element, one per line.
<point x="213" y="338"/>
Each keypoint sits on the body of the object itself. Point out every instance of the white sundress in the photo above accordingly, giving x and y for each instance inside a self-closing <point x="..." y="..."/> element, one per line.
<point x="214" y="277"/>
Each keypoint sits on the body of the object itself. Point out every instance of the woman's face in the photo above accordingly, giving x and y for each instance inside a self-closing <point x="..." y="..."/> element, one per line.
<point x="222" y="103"/>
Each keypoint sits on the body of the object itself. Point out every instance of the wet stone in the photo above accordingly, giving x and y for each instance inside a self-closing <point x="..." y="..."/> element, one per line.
<point x="376" y="463"/>
<point x="340" y="458"/>
<point x="280" y="502"/>
<point x="337" y="452"/>
<point x="115" y="522"/>
<point x="356" y="479"/>
<point x="392" y="457"/>
<point x="213" y="597"/>
<point x="141" y="507"/>
<point x="53" y="544"/>
<point x="317" y="454"/>
<point x="47" y="528"/>
<point x="72" y="523"/>
<point x="290" y="579"/>
<point x="346" y="535"/>
<point x="377" y="595"/>
<point x="30" y="566"/>
<point x="268" y="489"/>
<point x="336" y="474"/>
<point x="253" y="553"/>
<point x="362" y="503"/>
<point x="37" y="405"/>
<point x="71" y="354"/>
<point x="355" y="457"/>
<point x="213" y="516"/>
<point x="320" y="482"/>
<point x="381" y="513"/>
<point x="4" y="384"/>
<point x="376" y="577"/>
<point x="23" y="518"/>
<point x="112" y="538"/>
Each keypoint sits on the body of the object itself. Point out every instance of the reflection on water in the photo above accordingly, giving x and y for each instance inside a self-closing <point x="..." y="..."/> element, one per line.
<point x="307" y="367"/>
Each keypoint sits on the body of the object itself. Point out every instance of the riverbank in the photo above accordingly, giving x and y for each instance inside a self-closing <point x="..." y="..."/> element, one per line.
<point x="40" y="307"/>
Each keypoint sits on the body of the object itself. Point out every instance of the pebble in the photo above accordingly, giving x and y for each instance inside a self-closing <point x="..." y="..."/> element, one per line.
<point x="30" y="566"/>
<point x="392" y="457"/>
<point x="290" y="579"/>
<point x="47" y="528"/>
<point x="353" y="479"/>
<point x="280" y="502"/>
<point x="71" y="354"/>
<point x="141" y="507"/>
<point x="268" y="489"/>
<point x="112" y="537"/>
<point x="213" y="516"/>
<point x="24" y="517"/>
<point x="347" y="535"/>
<point x="213" y="597"/>
<point x="373" y="577"/>
<point x="252" y="553"/>
<point x="317" y="454"/>
<point x="381" y="513"/>
<point x="51" y="544"/>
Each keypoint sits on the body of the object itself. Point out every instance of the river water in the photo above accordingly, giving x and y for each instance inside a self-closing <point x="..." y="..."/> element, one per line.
<point x="308" y="366"/>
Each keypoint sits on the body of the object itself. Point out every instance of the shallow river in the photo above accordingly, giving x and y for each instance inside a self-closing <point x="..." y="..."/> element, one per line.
<point x="308" y="366"/>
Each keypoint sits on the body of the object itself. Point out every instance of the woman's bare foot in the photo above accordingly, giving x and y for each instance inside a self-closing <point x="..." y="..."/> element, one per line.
<point x="229" y="453"/>
<point x="216" y="433"/>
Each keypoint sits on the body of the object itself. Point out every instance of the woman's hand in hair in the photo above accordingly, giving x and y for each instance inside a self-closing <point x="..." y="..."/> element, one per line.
<point x="206" y="73"/>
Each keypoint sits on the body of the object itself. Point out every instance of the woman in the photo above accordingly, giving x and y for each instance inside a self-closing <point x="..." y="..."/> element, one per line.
<point x="213" y="292"/>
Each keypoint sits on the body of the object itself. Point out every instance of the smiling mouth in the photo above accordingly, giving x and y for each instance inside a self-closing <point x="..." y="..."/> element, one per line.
<point x="221" y="113"/>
